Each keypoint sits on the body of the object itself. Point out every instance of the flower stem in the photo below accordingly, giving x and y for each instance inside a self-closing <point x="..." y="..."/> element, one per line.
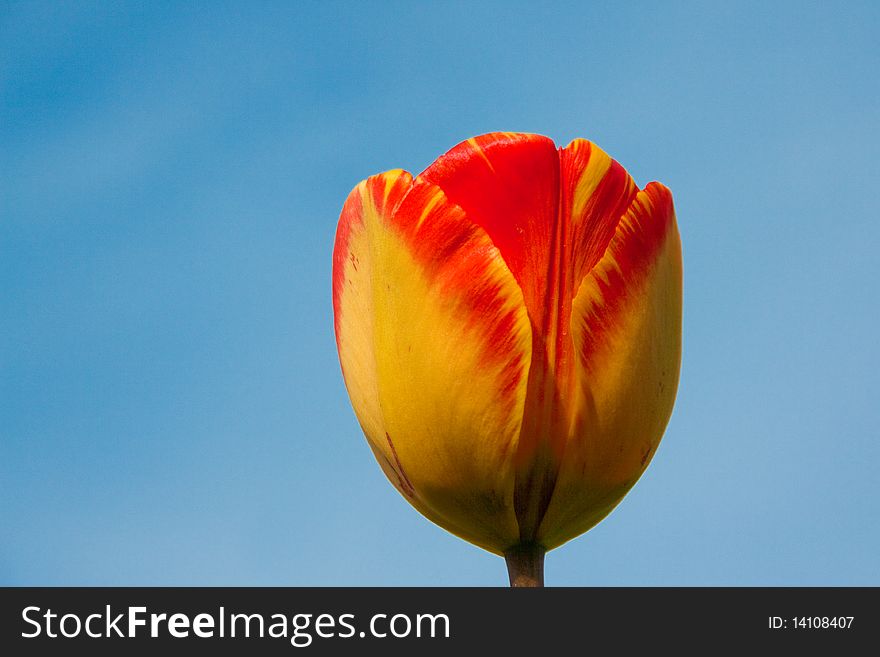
<point x="525" y="565"/>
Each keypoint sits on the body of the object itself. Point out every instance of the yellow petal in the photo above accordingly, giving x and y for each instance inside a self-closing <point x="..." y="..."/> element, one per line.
<point x="435" y="346"/>
<point x="626" y="329"/>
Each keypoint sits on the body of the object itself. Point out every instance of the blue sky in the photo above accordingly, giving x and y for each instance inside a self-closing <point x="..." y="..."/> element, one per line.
<point x="171" y="406"/>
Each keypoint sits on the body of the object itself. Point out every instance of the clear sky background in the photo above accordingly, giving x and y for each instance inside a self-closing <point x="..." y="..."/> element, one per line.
<point x="171" y="405"/>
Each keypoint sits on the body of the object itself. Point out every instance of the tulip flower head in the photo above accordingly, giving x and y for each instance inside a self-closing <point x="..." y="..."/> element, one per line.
<point x="509" y="329"/>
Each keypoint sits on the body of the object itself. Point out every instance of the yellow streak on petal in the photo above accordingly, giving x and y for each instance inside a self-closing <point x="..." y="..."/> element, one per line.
<point x="479" y="151"/>
<point x="592" y="175"/>
<point x="430" y="206"/>
<point x="391" y="178"/>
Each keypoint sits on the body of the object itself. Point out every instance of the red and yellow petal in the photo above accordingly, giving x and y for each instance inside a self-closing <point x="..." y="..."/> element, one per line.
<point x="508" y="184"/>
<point x="594" y="192"/>
<point x="626" y="332"/>
<point x="597" y="191"/>
<point x="435" y="347"/>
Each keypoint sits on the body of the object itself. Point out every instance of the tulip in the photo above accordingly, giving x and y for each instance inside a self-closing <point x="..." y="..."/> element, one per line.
<point x="509" y="329"/>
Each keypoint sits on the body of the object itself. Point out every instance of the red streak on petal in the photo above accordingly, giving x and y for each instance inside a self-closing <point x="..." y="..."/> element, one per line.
<point x="405" y="484"/>
<point x="508" y="184"/>
<point x="639" y="237"/>
<point x="385" y="192"/>
<point x="455" y="255"/>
